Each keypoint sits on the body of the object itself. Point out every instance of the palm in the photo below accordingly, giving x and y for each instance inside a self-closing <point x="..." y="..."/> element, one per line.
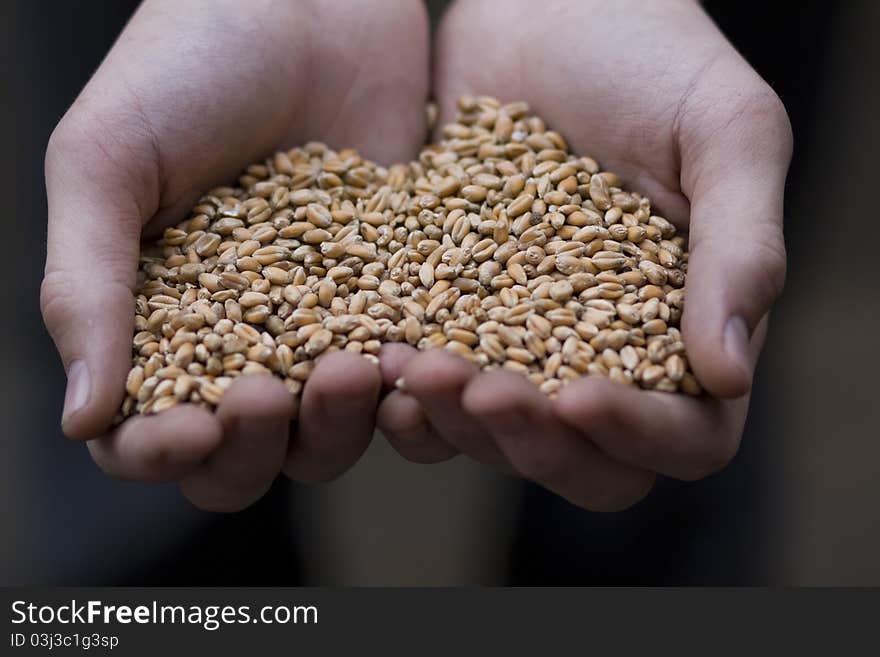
<point x="621" y="104"/>
<point x="184" y="100"/>
<point x="643" y="89"/>
<point x="198" y="125"/>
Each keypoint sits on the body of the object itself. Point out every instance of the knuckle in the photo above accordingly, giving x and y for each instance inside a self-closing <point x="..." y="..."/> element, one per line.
<point x="55" y="304"/>
<point x="763" y="102"/>
<point x="117" y="140"/>
<point x="769" y="267"/>
<point x="763" y="121"/>
<point x="771" y="106"/>
<point x="78" y="130"/>
<point x="752" y="117"/>
<point x="66" y="301"/>
<point x="68" y="133"/>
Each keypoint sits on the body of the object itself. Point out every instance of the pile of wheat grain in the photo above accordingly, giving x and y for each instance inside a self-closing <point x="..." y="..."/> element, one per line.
<point x="498" y="244"/>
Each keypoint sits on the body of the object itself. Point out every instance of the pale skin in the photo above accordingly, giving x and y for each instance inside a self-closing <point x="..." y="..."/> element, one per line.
<point x="651" y="89"/>
<point x="191" y="93"/>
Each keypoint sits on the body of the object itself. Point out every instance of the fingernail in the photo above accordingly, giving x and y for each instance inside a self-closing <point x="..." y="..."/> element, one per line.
<point x="736" y="342"/>
<point x="77" y="389"/>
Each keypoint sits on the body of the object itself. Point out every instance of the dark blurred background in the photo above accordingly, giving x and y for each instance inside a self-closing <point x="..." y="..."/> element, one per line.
<point x="797" y="506"/>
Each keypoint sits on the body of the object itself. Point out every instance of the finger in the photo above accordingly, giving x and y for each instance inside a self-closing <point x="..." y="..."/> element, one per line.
<point x="735" y="179"/>
<point x="158" y="448"/>
<point x="682" y="437"/>
<point x="437" y="379"/>
<point x="393" y="358"/>
<point x="541" y="448"/>
<point x="255" y="414"/>
<point x="337" y="417"/>
<point x="86" y="295"/>
<point x="401" y="418"/>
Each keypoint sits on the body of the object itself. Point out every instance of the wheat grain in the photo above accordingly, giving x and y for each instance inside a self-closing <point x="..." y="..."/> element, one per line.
<point x="497" y="244"/>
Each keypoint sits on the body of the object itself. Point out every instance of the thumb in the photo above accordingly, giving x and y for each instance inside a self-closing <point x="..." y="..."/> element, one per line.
<point x="86" y="294"/>
<point x="737" y="263"/>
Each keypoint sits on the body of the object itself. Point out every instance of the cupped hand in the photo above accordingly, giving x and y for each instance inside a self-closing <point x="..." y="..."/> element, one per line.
<point x="189" y="95"/>
<point x="655" y="93"/>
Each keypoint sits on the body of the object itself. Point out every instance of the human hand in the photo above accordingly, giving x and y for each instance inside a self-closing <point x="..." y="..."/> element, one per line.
<point x="188" y="95"/>
<point x="656" y="94"/>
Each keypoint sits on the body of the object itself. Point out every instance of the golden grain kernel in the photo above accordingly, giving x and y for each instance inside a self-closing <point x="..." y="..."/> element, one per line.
<point x="497" y="243"/>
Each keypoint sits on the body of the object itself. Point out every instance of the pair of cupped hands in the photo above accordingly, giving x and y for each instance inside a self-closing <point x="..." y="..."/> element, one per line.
<point x="192" y="92"/>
